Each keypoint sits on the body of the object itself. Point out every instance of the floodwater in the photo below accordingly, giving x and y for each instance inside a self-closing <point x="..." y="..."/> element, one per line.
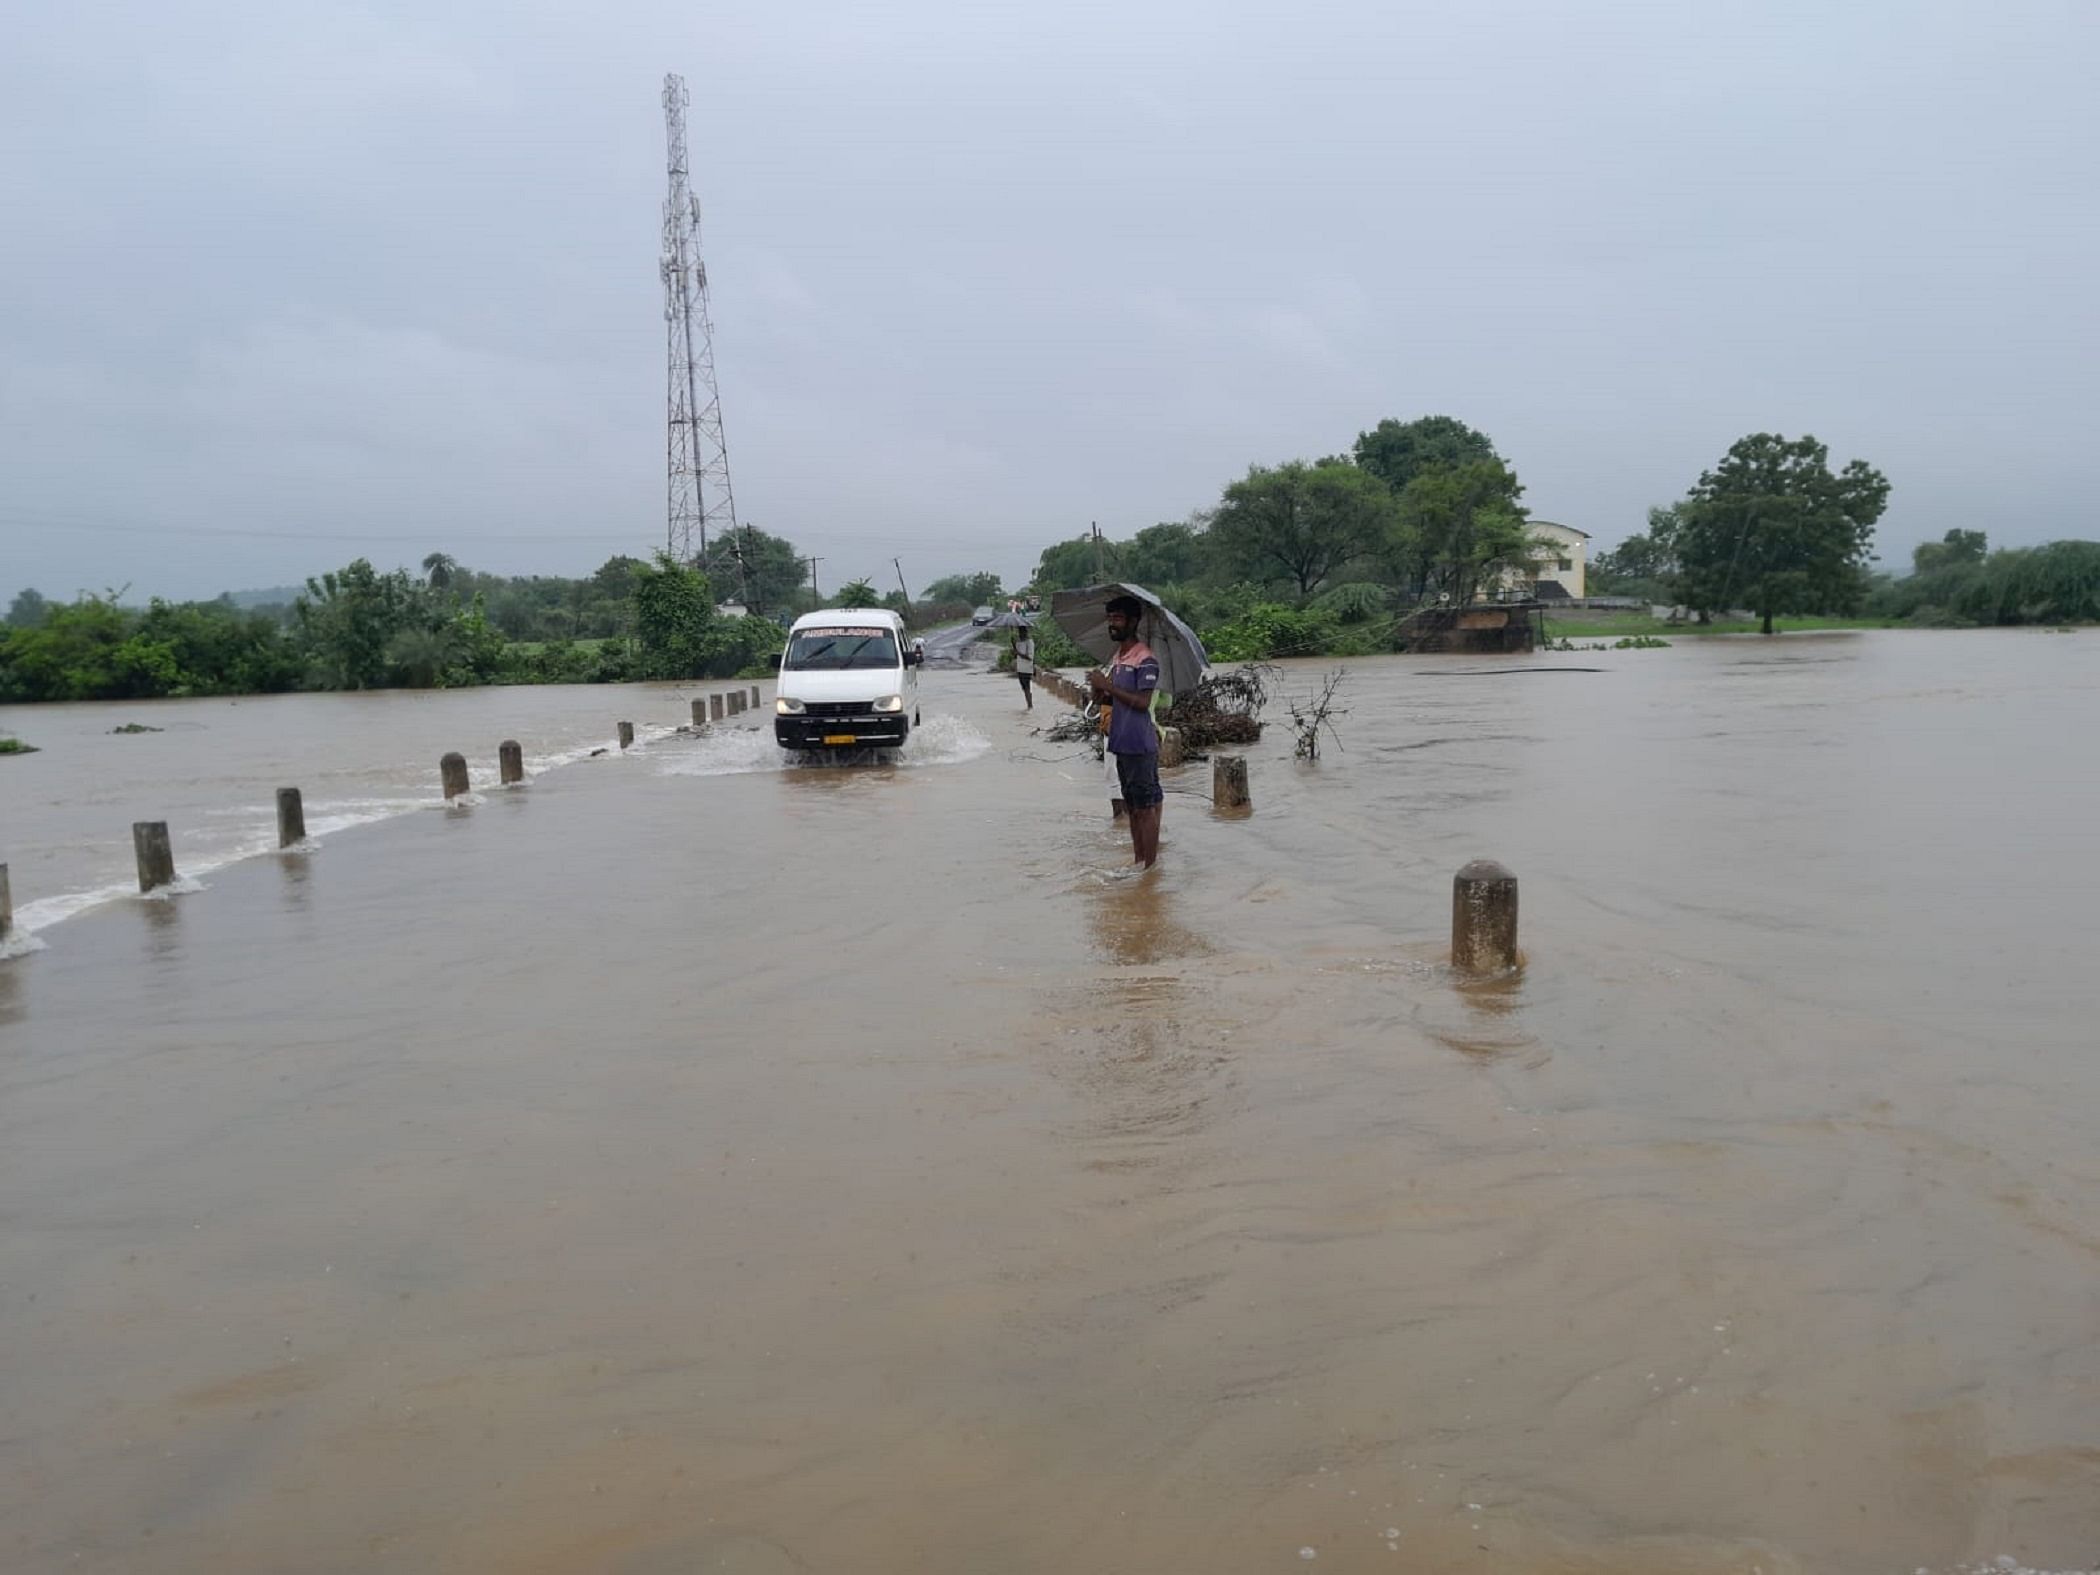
<point x="687" y="1164"/>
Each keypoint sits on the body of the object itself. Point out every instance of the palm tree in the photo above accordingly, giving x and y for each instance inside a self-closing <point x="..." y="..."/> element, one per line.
<point x="857" y="593"/>
<point x="440" y="567"/>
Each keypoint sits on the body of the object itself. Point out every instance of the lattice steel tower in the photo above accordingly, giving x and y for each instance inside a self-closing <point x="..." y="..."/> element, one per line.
<point x="699" y="455"/>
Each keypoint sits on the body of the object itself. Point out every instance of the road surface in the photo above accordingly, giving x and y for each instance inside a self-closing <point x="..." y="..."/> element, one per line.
<point x="951" y="647"/>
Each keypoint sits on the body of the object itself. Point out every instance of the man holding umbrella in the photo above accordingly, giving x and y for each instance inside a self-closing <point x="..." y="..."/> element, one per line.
<point x="1129" y="686"/>
<point x="1150" y="652"/>
<point x="1023" y="649"/>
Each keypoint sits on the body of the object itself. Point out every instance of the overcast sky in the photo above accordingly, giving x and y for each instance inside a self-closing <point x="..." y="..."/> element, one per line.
<point x="283" y="282"/>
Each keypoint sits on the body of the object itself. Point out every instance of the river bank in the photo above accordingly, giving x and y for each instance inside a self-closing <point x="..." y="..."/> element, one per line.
<point x="688" y="1163"/>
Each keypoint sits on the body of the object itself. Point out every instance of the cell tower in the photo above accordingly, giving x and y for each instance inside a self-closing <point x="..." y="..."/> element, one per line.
<point x="699" y="455"/>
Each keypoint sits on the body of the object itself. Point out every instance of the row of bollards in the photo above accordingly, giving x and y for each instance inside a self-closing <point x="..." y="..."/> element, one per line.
<point x="155" y="854"/>
<point x="1483" y="893"/>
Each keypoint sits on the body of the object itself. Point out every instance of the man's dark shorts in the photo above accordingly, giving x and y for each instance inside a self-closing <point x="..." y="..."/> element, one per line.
<point x="1026" y="680"/>
<point x="1139" y="775"/>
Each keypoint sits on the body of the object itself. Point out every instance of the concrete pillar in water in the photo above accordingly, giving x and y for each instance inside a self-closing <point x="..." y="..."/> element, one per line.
<point x="291" y="817"/>
<point x="1170" y="750"/>
<point x="7" y="906"/>
<point x="754" y="697"/>
<point x="510" y="761"/>
<point x="1228" y="783"/>
<point x="736" y="702"/>
<point x="149" y="840"/>
<point x="699" y="713"/>
<point x="714" y="708"/>
<point x="1484" y="918"/>
<point x="452" y="770"/>
<point x="626" y="735"/>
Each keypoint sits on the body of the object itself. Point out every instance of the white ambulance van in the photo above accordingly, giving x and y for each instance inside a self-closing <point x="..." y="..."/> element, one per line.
<point x="849" y="679"/>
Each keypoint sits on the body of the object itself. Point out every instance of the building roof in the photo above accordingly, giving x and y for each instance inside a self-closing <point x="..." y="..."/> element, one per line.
<point x="1556" y="524"/>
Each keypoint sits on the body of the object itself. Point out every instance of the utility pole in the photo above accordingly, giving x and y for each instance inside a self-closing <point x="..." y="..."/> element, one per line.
<point x="740" y="544"/>
<point x="698" y="462"/>
<point x="1100" y="573"/>
<point x="813" y="562"/>
<point x="899" y="567"/>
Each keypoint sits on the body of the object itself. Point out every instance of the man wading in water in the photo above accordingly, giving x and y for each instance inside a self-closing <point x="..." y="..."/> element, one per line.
<point x="1129" y="685"/>
<point x="1024" y="663"/>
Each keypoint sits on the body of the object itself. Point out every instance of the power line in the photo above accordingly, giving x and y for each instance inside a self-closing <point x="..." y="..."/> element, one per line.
<point x="23" y="522"/>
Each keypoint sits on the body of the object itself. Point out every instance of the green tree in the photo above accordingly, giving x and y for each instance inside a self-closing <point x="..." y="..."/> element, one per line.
<point x="1956" y="547"/>
<point x="1300" y="522"/>
<point x="1170" y="553"/>
<point x="1069" y="564"/>
<point x="416" y="658"/>
<point x="1460" y="526"/>
<point x="1774" y="528"/>
<point x="1396" y="452"/>
<point x="28" y="609"/>
<point x="674" y="619"/>
<point x="70" y="655"/>
<point x="763" y="571"/>
<point x="981" y="589"/>
<point x="439" y="570"/>
<point x="856" y="593"/>
<point x="1642" y="564"/>
<point x="348" y="617"/>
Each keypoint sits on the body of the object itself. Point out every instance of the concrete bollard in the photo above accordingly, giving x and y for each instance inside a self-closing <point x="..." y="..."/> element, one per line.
<point x="736" y="703"/>
<point x="699" y="713"/>
<point x="7" y="906"/>
<point x="452" y="771"/>
<point x="291" y="817"/>
<point x="1228" y="783"/>
<point x="1484" y="918"/>
<point x="754" y="697"/>
<point x="1170" y="750"/>
<point x="510" y="761"/>
<point x="149" y="840"/>
<point x="626" y="735"/>
<point x="714" y="708"/>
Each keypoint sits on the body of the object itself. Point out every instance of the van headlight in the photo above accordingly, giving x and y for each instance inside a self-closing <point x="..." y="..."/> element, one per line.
<point x="890" y="704"/>
<point x="786" y="707"/>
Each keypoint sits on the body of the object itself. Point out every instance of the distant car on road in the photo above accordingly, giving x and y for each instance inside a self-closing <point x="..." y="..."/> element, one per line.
<point x="981" y="617"/>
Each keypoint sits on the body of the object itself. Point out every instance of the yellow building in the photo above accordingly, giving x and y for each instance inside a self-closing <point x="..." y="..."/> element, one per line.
<point x="1561" y="557"/>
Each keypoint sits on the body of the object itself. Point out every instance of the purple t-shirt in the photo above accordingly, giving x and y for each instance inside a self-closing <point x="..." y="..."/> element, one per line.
<point x="1130" y="732"/>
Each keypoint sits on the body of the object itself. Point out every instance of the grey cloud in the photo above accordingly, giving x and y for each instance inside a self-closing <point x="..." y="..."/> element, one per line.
<point x="357" y="273"/>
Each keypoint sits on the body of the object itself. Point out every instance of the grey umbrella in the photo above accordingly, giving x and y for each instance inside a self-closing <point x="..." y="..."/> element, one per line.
<point x="1084" y="616"/>
<point x="1011" y="620"/>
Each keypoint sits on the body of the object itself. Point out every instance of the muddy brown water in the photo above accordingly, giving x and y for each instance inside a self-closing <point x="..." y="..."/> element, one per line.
<point x="684" y="1164"/>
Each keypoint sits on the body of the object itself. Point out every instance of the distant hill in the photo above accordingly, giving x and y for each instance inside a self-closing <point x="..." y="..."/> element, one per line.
<point x="275" y="596"/>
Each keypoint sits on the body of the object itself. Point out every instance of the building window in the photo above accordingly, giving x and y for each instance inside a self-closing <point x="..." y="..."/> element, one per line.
<point x="1566" y="564"/>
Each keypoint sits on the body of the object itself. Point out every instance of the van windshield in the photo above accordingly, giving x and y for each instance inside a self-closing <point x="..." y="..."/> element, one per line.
<point x="834" y="650"/>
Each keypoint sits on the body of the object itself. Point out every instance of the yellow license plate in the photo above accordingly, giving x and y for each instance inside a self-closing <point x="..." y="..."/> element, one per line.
<point x="841" y="738"/>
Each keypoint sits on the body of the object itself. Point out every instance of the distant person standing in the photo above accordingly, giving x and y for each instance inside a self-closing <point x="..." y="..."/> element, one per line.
<point x="1024" y="663"/>
<point x="1129" y="686"/>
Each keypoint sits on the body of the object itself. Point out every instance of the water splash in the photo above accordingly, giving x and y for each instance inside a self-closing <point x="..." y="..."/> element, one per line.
<point x="19" y="943"/>
<point x="733" y="751"/>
